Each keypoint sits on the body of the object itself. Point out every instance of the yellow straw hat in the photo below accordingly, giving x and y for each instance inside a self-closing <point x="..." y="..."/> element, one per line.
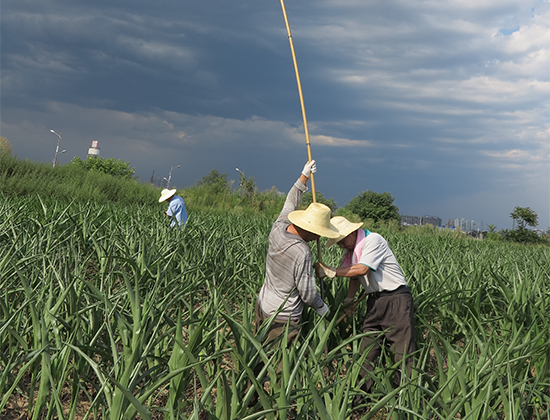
<point x="314" y="219"/>
<point x="344" y="226"/>
<point x="166" y="194"/>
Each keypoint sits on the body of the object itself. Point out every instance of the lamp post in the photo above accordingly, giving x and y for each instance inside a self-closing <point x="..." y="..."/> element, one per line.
<point x="57" y="148"/>
<point x="170" y="175"/>
<point x="242" y="178"/>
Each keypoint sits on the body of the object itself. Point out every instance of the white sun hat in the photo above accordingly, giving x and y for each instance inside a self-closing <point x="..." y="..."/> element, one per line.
<point x="314" y="219"/>
<point x="344" y="226"/>
<point x="166" y="194"/>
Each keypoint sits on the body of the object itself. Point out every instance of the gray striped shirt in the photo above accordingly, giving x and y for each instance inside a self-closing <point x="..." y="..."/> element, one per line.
<point x="289" y="279"/>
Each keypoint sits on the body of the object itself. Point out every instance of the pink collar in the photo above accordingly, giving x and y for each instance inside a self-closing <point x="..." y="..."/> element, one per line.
<point x="352" y="257"/>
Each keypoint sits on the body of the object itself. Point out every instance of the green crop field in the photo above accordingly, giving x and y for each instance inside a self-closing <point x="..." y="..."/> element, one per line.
<point x="108" y="313"/>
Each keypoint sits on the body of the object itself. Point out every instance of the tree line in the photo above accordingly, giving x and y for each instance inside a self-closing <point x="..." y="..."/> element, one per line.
<point x="102" y="179"/>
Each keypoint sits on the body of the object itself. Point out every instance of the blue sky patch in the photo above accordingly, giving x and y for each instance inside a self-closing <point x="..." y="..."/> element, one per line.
<point x="507" y="32"/>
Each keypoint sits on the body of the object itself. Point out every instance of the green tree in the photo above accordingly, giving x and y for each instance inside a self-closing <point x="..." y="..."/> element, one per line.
<point x="307" y="199"/>
<point x="352" y="217"/>
<point x="375" y="206"/>
<point x="216" y="181"/>
<point x="247" y="186"/>
<point x="5" y="146"/>
<point x="109" y="166"/>
<point x="524" y="217"/>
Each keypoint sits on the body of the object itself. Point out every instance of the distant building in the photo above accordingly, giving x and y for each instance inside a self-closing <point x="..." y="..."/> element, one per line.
<point x="462" y="224"/>
<point x="465" y="225"/>
<point x="432" y="220"/>
<point x="410" y="220"/>
<point x="420" y="220"/>
<point x="94" y="150"/>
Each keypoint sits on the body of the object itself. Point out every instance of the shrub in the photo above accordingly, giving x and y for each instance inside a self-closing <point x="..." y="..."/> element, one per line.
<point x="109" y="166"/>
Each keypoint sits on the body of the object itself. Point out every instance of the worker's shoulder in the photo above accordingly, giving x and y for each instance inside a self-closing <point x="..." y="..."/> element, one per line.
<point x="291" y="247"/>
<point x="374" y="238"/>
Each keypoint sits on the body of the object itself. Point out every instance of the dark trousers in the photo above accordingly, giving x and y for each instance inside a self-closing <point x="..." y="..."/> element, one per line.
<point x="395" y="313"/>
<point x="277" y="327"/>
<point x="276" y="330"/>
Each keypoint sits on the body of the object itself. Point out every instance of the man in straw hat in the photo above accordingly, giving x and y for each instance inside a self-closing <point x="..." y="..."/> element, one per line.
<point x="176" y="207"/>
<point x="369" y="262"/>
<point x="289" y="279"/>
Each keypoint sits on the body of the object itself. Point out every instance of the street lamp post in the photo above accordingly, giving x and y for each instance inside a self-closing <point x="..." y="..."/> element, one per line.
<point x="170" y="175"/>
<point x="242" y="178"/>
<point x="57" y="148"/>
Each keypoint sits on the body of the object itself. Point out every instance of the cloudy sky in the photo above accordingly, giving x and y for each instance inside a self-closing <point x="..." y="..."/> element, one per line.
<point x="442" y="103"/>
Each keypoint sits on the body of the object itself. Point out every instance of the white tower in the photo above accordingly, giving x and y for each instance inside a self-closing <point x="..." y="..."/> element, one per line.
<point x="94" y="150"/>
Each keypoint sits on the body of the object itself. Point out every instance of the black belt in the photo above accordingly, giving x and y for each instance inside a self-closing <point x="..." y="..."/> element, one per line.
<point x="399" y="290"/>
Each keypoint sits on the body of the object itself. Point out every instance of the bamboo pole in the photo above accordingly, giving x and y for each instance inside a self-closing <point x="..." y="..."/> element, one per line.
<point x="308" y="144"/>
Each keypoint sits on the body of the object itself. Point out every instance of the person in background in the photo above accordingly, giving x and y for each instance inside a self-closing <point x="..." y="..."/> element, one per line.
<point x="176" y="207"/>
<point x="289" y="279"/>
<point x="369" y="261"/>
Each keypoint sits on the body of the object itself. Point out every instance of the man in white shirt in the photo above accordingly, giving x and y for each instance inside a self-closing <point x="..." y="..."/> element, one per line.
<point x="369" y="262"/>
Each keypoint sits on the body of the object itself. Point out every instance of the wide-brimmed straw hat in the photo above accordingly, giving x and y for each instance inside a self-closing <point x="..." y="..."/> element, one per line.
<point x="314" y="219"/>
<point x="166" y="194"/>
<point x="344" y="226"/>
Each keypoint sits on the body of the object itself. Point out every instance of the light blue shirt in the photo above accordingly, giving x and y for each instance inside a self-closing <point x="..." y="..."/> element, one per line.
<point x="176" y="210"/>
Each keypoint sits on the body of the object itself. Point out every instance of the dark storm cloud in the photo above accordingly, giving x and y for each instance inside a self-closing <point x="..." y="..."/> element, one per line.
<point x="443" y="104"/>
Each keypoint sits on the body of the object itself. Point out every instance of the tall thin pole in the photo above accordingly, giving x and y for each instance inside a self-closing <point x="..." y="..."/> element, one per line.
<point x="308" y="144"/>
<point x="57" y="148"/>
<point x="301" y="95"/>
